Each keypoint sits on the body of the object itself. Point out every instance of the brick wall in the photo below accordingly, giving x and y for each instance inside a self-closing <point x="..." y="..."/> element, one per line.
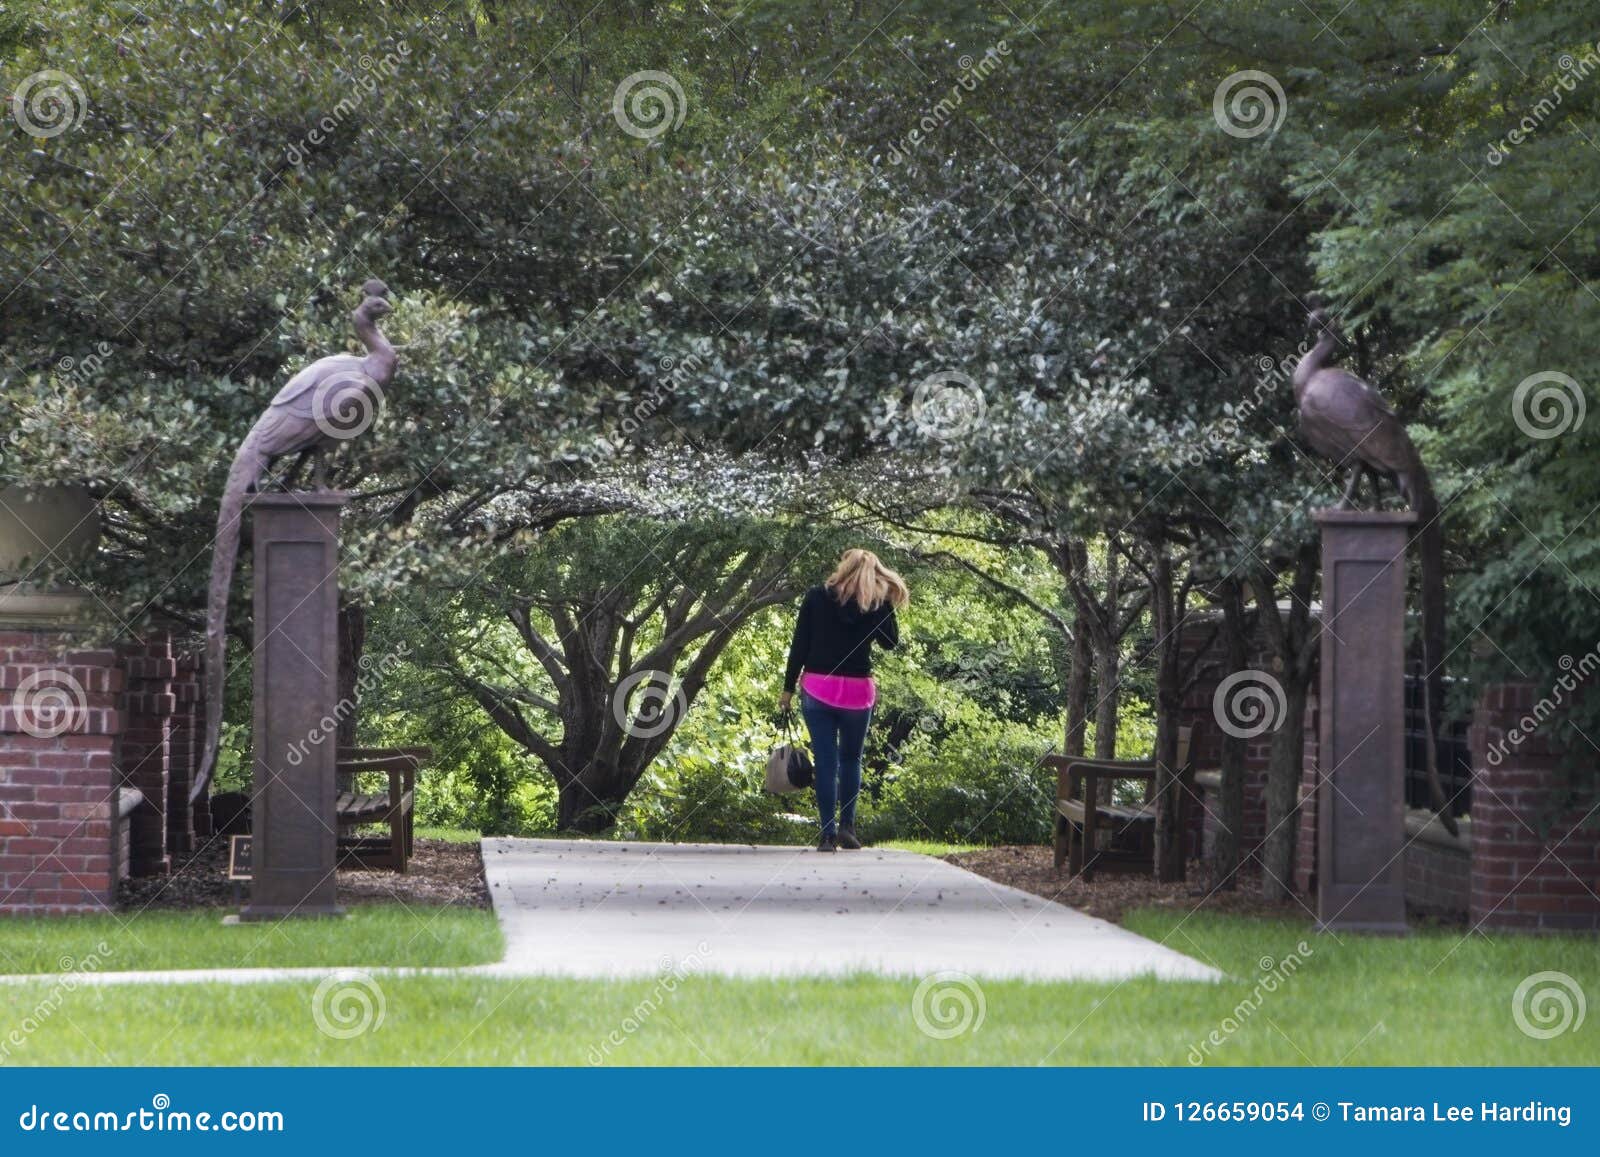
<point x="1533" y="865"/>
<point x="1438" y="868"/>
<point x="60" y="728"/>
<point x="1305" y="847"/>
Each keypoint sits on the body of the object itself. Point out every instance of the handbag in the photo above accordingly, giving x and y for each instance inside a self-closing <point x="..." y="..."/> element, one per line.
<point x="789" y="766"/>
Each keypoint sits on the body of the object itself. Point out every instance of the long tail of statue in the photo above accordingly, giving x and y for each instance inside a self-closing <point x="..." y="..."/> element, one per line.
<point x="246" y="469"/>
<point x="1430" y="541"/>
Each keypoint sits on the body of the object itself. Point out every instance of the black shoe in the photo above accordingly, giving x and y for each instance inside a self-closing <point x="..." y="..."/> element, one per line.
<point x="827" y="844"/>
<point x="848" y="841"/>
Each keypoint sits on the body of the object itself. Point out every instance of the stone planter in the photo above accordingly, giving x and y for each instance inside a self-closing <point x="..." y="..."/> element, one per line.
<point x="39" y="523"/>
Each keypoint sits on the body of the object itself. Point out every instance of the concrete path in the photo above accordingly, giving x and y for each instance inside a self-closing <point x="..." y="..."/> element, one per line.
<point x="593" y="908"/>
<point x="600" y="909"/>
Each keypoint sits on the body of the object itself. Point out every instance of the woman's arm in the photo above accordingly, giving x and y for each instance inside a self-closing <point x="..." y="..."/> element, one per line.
<point x="798" y="646"/>
<point x="888" y="631"/>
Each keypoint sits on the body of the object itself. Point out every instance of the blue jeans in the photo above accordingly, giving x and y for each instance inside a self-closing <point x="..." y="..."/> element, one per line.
<point x="837" y="739"/>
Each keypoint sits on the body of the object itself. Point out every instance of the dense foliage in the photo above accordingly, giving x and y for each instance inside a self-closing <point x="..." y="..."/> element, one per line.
<point x="1016" y="294"/>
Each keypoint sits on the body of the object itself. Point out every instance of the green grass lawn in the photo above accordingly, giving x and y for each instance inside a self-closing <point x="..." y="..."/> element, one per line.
<point x="1436" y="997"/>
<point x="929" y="847"/>
<point x="376" y="934"/>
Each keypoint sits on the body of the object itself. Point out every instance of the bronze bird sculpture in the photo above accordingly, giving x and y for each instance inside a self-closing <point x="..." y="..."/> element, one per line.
<point x="330" y="401"/>
<point x="1345" y="419"/>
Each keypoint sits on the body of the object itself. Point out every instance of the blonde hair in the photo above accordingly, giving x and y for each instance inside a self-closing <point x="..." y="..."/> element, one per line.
<point x="862" y="579"/>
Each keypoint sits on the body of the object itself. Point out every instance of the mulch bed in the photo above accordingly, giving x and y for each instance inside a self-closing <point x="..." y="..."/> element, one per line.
<point x="441" y="872"/>
<point x="1111" y="896"/>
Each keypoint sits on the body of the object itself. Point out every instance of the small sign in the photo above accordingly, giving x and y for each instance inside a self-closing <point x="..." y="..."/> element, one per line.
<point x="239" y="857"/>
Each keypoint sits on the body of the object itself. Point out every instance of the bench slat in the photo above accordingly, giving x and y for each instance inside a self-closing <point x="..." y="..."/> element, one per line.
<point x="1110" y="814"/>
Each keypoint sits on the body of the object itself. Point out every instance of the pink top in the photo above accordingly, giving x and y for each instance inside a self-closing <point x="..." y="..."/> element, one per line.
<point x="847" y="692"/>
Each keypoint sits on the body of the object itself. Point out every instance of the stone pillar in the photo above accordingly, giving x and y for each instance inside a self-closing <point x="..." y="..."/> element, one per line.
<point x="59" y="782"/>
<point x="296" y="657"/>
<point x="1360" y="795"/>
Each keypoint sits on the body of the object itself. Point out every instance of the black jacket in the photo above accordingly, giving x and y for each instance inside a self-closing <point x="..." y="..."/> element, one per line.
<point x="830" y="639"/>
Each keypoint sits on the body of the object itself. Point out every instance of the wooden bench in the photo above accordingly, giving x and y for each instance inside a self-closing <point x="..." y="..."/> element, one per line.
<point x="1123" y="835"/>
<point x="393" y="807"/>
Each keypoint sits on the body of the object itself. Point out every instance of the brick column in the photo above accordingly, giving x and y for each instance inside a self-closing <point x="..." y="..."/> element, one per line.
<point x="147" y="746"/>
<point x="59" y="737"/>
<point x="1534" y="864"/>
<point x="1305" y="848"/>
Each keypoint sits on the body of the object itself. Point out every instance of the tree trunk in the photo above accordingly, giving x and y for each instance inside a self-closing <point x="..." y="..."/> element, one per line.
<point x="1285" y="767"/>
<point x="1107" y="679"/>
<point x="1169" y="851"/>
<point x="1230" y="820"/>
<point x="587" y="808"/>
<point x="1078" y="687"/>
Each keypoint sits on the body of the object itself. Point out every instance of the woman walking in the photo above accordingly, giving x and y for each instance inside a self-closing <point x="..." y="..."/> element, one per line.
<point x="833" y="636"/>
